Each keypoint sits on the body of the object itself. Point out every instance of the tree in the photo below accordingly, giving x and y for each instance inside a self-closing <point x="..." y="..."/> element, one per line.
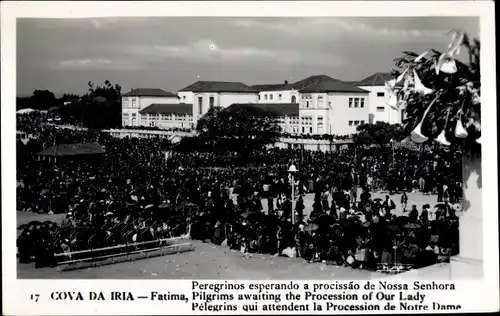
<point x="99" y="108"/>
<point x="379" y="133"/>
<point x="240" y="127"/>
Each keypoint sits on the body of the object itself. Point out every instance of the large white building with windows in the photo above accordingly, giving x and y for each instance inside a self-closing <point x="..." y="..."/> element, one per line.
<point x="324" y="105"/>
<point x="205" y="94"/>
<point x="155" y="108"/>
<point x="316" y="105"/>
<point x="379" y="110"/>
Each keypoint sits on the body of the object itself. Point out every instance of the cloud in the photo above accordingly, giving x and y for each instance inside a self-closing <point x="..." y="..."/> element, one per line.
<point x="207" y="50"/>
<point x="93" y="64"/>
<point x="332" y="28"/>
<point x="89" y="23"/>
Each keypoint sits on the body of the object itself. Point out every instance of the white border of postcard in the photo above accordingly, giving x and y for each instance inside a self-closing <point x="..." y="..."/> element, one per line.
<point x="473" y="295"/>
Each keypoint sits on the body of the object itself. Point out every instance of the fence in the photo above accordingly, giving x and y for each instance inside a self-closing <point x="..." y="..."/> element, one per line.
<point x="121" y="253"/>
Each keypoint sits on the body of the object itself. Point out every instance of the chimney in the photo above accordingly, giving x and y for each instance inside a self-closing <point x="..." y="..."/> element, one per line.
<point x="286" y="81"/>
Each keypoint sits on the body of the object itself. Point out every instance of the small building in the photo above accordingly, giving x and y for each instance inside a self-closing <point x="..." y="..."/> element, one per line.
<point x="379" y="110"/>
<point x="138" y="99"/>
<point x="205" y="94"/>
<point x="167" y="116"/>
<point x="277" y="93"/>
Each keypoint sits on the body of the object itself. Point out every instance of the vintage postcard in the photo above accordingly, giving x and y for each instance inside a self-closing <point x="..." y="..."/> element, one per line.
<point x="250" y="157"/>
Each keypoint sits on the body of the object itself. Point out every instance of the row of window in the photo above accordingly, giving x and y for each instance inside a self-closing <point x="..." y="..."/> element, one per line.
<point x="356" y="123"/>
<point x="167" y="117"/>
<point x="153" y="124"/>
<point x="356" y="102"/>
<point x="133" y="103"/>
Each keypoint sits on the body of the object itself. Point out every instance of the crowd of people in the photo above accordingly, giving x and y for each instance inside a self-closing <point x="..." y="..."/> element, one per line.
<point x="134" y="193"/>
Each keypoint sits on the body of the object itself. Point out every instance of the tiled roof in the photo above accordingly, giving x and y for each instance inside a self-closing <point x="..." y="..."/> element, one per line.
<point x="272" y="87"/>
<point x="145" y="92"/>
<point x="174" y="108"/>
<point x="279" y="109"/>
<point x="323" y="83"/>
<point x="218" y="86"/>
<point x="377" y="79"/>
<point x="351" y="82"/>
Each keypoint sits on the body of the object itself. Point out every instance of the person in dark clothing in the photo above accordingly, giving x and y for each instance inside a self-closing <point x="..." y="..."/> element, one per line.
<point x="424" y="216"/>
<point x="413" y="214"/>
<point x="365" y="195"/>
<point x="299" y="208"/>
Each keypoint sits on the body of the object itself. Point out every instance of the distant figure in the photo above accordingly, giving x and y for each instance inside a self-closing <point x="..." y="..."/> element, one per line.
<point x="413" y="214"/>
<point x="424" y="216"/>
<point x="404" y="201"/>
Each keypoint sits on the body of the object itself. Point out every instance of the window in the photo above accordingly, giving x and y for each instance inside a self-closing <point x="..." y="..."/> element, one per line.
<point x="380" y="94"/>
<point x="294" y="99"/>
<point x="320" y="120"/>
<point x="211" y="100"/>
<point x="356" y="102"/>
<point x="133" y="103"/>
<point x="307" y="104"/>
<point x="380" y="108"/>
<point x="362" y="122"/>
<point x="270" y="97"/>
<point x="279" y="96"/>
<point x="303" y="130"/>
<point x="310" y="130"/>
<point x="351" y="100"/>
<point x="200" y="104"/>
<point x="356" y="123"/>
<point x="350" y="123"/>
<point x="319" y="101"/>
<point x="265" y="96"/>
<point x="259" y="96"/>
<point x="362" y="103"/>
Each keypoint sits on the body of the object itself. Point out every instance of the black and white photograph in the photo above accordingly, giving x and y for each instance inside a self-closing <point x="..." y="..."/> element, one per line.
<point x="249" y="148"/>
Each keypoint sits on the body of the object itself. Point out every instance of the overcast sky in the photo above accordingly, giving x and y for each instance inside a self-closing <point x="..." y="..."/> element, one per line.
<point x="62" y="55"/>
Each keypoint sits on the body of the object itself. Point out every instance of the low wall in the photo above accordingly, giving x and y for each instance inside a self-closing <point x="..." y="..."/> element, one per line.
<point x="122" y="253"/>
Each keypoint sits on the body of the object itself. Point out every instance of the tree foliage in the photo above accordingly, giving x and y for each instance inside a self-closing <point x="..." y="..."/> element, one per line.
<point x="380" y="133"/>
<point x="240" y="128"/>
<point x="99" y="108"/>
<point x="454" y="93"/>
<point x="39" y="100"/>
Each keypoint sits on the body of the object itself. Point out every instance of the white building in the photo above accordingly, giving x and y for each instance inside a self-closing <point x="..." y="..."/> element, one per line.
<point x="316" y="105"/>
<point x="168" y="116"/>
<point x="379" y="110"/>
<point x="277" y="93"/>
<point x="331" y="106"/>
<point x="205" y="94"/>
<point x="286" y="114"/>
<point x="138" y="99"/>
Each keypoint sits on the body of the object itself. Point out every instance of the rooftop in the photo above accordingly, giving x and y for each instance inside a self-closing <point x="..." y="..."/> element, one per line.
<point x="377" y="79"/>
<point x="272" y="87"/>
<point x="218" y="86"/>
<point x="279" y="109"/>
<point x="323" y="83"/>
<point x="173" y="108"/>
<point x="147" y="92"/>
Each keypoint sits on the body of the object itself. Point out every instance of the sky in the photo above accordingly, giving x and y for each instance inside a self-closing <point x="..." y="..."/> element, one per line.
<point x="170" y="53"/>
